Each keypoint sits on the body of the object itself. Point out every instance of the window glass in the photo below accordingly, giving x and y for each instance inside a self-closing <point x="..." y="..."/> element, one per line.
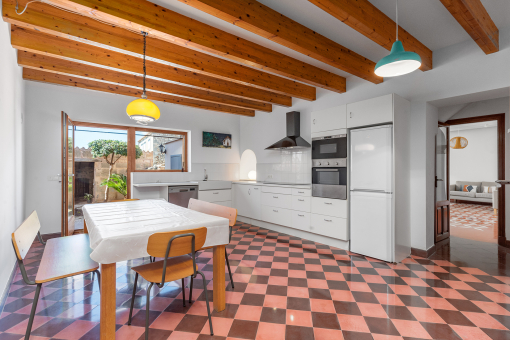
<point x="159" y="151"/>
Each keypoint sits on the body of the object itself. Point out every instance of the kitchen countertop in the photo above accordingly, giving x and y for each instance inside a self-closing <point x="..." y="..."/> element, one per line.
<point x="164" y="184"/>
<point x="292" y="185"/>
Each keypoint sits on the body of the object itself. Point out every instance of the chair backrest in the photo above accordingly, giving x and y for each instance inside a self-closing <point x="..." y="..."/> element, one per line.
<point x="158" y="242"/>
<point x="214" y="209"/>
<point x="23" y="237"/>
<point x="127" y="199"/>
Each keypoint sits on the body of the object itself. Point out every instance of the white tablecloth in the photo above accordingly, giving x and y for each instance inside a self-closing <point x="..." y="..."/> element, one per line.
<point x="119" y="231"/>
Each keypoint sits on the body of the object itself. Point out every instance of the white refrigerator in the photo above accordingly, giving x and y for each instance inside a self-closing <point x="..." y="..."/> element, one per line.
<point x="371" y="192"/>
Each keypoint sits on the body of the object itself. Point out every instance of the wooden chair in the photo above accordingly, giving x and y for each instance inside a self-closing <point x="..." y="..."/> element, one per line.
<point x="175" y="248"/>
<point x="220" y="211"/>
<point x="63" y="257"/>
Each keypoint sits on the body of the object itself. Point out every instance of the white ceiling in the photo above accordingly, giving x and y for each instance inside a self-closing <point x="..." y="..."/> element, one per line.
<point x="427" y="20"/>
<point x="483" y="125"/>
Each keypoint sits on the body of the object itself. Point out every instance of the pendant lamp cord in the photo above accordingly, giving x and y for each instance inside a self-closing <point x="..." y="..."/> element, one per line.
<point x="144" y="95"/>
<point x="396" y="10"/>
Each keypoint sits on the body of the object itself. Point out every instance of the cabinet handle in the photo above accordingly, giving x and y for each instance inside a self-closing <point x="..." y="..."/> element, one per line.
<point x="328" y="220"/>
<point x="328" y="203"/>
<point x="215" y="193"/>
<point x="314" y="121"/>
<point x="301" y="215"/>
<point x="275" y="210"/>
<point x="301" y="200"/>
<point x="249" y="192"/>
<point x="255" y="188"/>
<point x="275" y="196"/>
<point x="350" y="114"/>
<point x="300" y="192"/>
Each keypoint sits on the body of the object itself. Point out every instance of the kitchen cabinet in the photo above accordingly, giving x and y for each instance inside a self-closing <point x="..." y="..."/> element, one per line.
<point x="215" y="195"/>
<point x="334" y="227"/>
<point x="276" y="200"/>
<point x="276" y="215"/>
<point x="370" y="112"/>
<point x="301" y="220"/>
<point x="330" y="119"/>
<point x="247" y="200"/>
<point x="329" y="207"/>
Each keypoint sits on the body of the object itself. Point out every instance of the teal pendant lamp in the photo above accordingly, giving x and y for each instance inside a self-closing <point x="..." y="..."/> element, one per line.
<point x="398" y="62"/>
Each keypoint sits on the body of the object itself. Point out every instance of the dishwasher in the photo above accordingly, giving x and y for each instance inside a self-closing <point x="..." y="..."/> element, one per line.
<point x="180" y="195"/>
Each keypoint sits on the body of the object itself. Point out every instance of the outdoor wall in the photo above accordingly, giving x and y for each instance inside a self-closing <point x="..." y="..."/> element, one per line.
<point x="479" y="160"/>
<point x="44" y="104"/>
<point x="11" y="165"/>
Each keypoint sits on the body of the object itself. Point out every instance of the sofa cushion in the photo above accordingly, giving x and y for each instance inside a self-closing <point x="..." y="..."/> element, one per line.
<point x="462" y="194"/>
<point x="484" y="195"/>
<point x="459" y="185"/>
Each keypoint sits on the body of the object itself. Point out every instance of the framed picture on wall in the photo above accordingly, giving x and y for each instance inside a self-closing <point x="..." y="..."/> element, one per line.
<point x="216" y="140"/>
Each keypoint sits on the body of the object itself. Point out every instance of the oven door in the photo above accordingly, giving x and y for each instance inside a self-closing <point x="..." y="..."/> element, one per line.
<point x="327" y="148"/>
<point x="329" y="182"/>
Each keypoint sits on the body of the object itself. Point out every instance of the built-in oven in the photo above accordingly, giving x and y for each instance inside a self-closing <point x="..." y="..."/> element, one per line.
<point x="330" y="147"/>
<point x="329" y="178"/>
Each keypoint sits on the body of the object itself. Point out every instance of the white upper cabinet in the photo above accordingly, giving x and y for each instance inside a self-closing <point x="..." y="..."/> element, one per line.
<point x="330" y="119"/>
<point x="370" y="112"/>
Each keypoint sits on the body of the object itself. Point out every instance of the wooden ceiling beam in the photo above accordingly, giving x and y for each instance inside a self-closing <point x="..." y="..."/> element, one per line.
<point x="59" y="79"/>
<point x="73" y="68"/>
<point x="474" y="18"/>
<point x="268" y="23"/>
<point x="48" y="19"/>
<point x="164" y="24"/>
<point x="38" y="42"/>
<point x="368" y="20"/>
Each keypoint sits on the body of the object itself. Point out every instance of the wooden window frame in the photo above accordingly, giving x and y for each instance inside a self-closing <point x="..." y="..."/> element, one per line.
<point x="131" y="142"/>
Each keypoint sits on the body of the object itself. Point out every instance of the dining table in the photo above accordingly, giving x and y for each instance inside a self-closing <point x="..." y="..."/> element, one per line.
<point x="119" y="231"/>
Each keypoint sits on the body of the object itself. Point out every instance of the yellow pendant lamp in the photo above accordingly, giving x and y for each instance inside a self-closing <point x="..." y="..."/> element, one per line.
<point x="143" y="111"/>
<point x="458" y="142"/>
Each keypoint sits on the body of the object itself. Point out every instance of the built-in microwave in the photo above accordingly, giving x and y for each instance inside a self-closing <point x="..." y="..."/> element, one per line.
<point x="329" y="179"/>
<point x="330" y="147"/>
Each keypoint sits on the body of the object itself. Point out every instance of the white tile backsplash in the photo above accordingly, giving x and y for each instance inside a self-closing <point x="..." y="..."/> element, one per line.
<point x="215" y="171"/>
<point x="294" y="167"/>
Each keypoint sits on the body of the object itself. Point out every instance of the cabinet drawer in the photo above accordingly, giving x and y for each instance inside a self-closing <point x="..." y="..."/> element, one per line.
<point x="301" y="220"/>
<point x="301" y="203"/>
<point x="277" y="215"/>
<point x="277" y="190"/>
<point x="215" y="195"/>
<point x="276" y="200"/>
<point x="329" y="207"/>
<point x="334" y="227"/>
<point x="301" y="192"/>
<point x="225" y="203"/>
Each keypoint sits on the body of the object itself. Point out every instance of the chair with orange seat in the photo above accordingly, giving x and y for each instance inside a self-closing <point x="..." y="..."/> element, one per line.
<point x="175" y="248"/>
<point x="220" y="211"/>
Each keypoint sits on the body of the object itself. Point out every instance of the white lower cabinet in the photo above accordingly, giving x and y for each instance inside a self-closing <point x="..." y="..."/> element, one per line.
<point x="276" y="200"/>
<point x="247" y="200"/>
<point x="301" y="220"/>
<point x="335" y="227"/>
<point x="276" y="215"/>
<point x="329" y="207"/>
<point x="215" y="195"/>
<point x="301" y="203"/>
<point x="225" y="203"/>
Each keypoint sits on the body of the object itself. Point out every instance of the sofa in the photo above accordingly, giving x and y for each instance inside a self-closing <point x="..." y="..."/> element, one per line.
<point x="456" y="192"/>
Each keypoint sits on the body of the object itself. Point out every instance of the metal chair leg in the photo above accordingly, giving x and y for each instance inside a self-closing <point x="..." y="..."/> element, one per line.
<point x="132" y="301"/>
<point x="32" y="313"/>
<point x="98" y="279"/>
<point x="207" y="301"/>
<point x="228" y="267"/>
<point x="183" y="293"/>
<point x="147" y="311"/>
<point x="190" y="288"/>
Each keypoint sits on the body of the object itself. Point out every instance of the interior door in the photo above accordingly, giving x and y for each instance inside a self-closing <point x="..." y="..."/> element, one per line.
<point x="442" y="192"/>
<point x="67" y="176"/>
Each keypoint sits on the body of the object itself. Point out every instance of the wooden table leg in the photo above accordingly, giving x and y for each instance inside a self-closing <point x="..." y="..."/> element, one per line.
<point x="219" y="278"/>
<point x="108" y="301"/>
<point x="85" y="230"/>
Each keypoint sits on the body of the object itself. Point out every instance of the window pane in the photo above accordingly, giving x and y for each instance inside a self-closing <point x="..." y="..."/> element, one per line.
<point x="159" y="151"/>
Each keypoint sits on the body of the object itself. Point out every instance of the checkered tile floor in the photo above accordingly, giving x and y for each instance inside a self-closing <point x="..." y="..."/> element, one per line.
<point x="474" y="222"/>
<point x="285" y="288"/>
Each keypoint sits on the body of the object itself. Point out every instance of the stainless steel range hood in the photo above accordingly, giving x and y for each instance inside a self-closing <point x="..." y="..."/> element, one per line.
<point x="293" y="139"/>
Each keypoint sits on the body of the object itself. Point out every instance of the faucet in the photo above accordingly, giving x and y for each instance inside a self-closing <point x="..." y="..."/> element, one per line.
<point x="205" y="174"/>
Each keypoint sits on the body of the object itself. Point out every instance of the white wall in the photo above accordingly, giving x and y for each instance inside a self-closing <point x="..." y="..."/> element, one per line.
<point x="44" y="103"/>
<point x="490" y="107"/>
<point x="479" y="160"/>
<point x="11" y="139"/>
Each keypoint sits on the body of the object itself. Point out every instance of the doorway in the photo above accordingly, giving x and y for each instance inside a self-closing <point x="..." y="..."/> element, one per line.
<point x="473" y="209"/>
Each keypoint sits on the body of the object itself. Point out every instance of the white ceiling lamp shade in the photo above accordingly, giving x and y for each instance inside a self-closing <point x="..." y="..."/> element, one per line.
<point x="399" y="61"/>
